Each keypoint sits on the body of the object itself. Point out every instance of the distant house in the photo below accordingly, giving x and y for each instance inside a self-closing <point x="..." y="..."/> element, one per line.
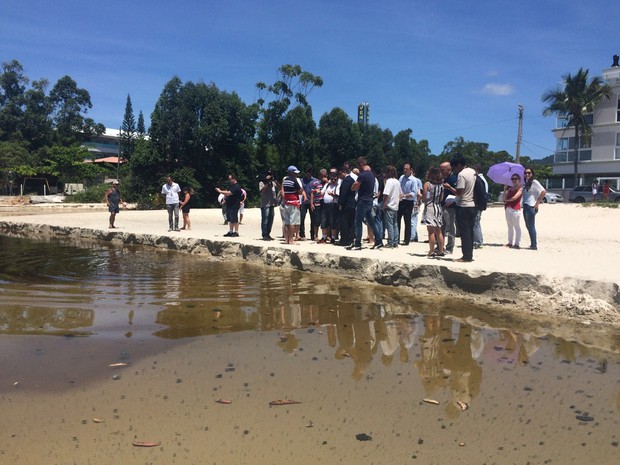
<point x="599" y="156"/>
<point x="104" y="146"/>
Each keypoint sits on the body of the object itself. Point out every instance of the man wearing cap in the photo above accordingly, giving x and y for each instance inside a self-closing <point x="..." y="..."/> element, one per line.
<point x="171" y="190"/>
<point x="291" y="190"/>
<point x="113" y="200"/>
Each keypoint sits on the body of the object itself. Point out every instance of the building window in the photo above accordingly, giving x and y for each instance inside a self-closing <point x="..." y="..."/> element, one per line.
<point x="561" y="150"/>
<point x="617" y="155"/>
<point x="618" y="113"/>
<point x="562" y="122"/>
<point x="565" y="149"/>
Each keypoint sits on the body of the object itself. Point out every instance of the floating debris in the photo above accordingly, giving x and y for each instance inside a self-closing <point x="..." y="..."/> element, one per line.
<point x="584" y="418"/>
<point x="310" y="424"/>
<point x="283" y="402"/>
<point x="116" y="377"/>
<point x="363" y="437"/>
<point x="98" y="420"/>
<point x="463" y="406"/>
<point x="224" y="401"/>
<point x="118" y="365"/>
<point x="146" y="444"/>
<point x="431" y="401"/>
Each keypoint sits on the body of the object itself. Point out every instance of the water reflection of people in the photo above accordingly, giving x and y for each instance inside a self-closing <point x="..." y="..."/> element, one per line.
<point x="429" y="365"/>
<point x="408" y="330"/>
<point x="388" y="339"/>
<point x="172" y="286"/>
<point x="364" y="345"/>
<point x="465" y="374"/>
<point x="513" y="347"/>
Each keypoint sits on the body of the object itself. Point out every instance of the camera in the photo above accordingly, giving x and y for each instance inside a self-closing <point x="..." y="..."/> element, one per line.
<point x="265" y="177"/>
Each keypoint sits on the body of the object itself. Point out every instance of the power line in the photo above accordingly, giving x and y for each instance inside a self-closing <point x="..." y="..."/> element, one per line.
<point x="465" y="128"/>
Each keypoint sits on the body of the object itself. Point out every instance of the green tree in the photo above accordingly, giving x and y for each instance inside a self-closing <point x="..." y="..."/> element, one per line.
<point x="69" y="105"/>
<point x="141" y="128"/>
<point x="300" y="138"/>
<point x="67" y="163"/>
<point x="197" y="126"/>
<point x="375" y="144"/>
<point x="339" y="137"/>
<point x="577" y="99"/>
<point x="36" y="121"/>
<point x="290" y="91"/>
<point x="128" y="131"/>
<point x="13" y="84"/>
<point x="407" y="150"/>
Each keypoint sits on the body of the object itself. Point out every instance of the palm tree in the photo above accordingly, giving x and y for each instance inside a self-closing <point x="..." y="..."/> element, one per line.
<point x="578" y="98"/>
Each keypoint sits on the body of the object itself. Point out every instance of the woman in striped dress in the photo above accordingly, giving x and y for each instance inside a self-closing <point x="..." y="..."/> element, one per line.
<point x="433" y="210"/>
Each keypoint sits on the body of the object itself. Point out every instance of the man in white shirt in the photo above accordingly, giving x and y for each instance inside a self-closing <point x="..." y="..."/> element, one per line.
<point x="466" y="208"/>
<point x="171" y="191"/>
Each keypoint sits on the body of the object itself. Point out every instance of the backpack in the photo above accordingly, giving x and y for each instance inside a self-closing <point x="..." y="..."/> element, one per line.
<point x="480" y="194"/>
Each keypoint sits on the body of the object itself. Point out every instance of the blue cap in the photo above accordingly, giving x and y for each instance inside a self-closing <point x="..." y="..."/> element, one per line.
<point x="293" y="169"/>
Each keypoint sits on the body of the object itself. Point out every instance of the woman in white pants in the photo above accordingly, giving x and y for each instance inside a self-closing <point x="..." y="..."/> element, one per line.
<point x="512" y="204"/>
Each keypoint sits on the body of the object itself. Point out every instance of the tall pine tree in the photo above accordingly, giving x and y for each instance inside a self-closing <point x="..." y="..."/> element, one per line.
<point x="141" y="128"/>
<point x="128" y="131"/>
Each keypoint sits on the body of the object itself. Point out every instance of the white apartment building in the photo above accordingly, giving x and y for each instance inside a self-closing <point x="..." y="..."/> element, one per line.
<point x="599" y="155"/>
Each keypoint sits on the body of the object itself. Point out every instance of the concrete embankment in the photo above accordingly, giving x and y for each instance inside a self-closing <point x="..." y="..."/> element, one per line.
<point x="526" y="283"/>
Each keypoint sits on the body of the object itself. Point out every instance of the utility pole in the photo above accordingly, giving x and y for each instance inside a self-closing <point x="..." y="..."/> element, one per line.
<point x="519" y="134"/>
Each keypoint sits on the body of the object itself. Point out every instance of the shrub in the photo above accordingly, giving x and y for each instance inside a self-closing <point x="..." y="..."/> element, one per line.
<point x="94" y="194"/>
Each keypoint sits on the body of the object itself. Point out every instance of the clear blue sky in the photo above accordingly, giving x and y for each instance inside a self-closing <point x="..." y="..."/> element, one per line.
<point x="444" y="68"/>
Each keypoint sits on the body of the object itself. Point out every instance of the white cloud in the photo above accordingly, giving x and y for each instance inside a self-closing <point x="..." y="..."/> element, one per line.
<point x="497" y="89"/>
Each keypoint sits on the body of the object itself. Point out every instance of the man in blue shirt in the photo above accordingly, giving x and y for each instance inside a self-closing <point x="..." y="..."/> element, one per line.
<point x="405" y="207"/>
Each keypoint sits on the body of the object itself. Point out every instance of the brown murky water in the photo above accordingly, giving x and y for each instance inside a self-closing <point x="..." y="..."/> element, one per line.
<point x="381" y="376"/>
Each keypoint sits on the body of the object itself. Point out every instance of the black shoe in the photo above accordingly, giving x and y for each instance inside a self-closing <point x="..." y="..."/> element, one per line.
<point x="235" y="234"/>
<point x="377" y="246"/>
<point x="415" y="239"/>
<point x="404" y="243"/>
<point x="229" y="234"/>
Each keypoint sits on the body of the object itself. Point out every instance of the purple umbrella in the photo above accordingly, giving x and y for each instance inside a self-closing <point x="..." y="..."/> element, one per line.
<point x="502" y="172"/>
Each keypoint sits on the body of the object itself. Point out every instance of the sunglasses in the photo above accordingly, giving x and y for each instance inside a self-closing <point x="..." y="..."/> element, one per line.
<point x="528" y="172"/>
<point x="514" y="179"/>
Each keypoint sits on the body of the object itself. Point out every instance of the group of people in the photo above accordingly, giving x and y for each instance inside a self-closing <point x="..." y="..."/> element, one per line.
<point x="522" y="197"/>
<point x="174" y="203"/>
<point x="604" y="190"/>
<point x="339" y="202"/>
